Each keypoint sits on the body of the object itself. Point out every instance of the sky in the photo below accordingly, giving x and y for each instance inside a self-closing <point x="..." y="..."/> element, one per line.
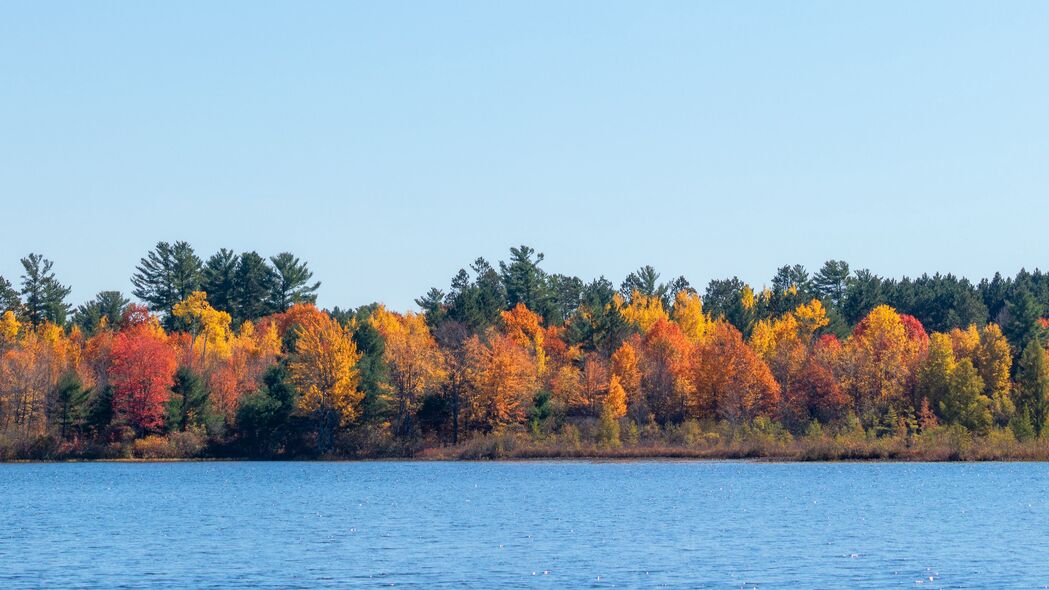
<point x="391" y="143"/>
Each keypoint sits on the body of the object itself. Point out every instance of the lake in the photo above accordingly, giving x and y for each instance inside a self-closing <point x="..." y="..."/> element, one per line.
<point x="524" y="525"/>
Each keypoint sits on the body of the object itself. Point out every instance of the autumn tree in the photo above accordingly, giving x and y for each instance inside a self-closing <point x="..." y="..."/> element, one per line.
<point x="502" y="380"/>
<point x="965" y="402"/>
<point x="525" y="327"/>
<point x="30" y="370"/>
<point x="141" y="373"/>
<point x="994" y="360"/>
<point x="934" y="373"/>
<point x="688" y="314"/>
<point x="731" y="382"/>
<point x="665" y="360"/>
<point x="414" y="360"/>
<point x="323" y="369"/>
<point x="643" y="310"/>
<point x="884" y="350"/>
<point x="626" y="370"/>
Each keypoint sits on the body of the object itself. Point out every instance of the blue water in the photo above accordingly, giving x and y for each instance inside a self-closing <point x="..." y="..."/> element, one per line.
<point x="504" y="525"/>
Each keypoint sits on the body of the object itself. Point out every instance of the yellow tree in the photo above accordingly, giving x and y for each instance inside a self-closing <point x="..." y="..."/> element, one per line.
<point x="615" y="399"/>
<point x="811" y="317"/>
<point x="324" y="369"/>
<point x="643" y="310"/>
<point x="9" y="328"/>
<point x="29" y="373"/>
<point x="412" y="355"/>
<point x="994" y="360"/>
<point x="965" y="342"/>
<point x="251" y="352"/>
<point x="626" y="369"/>
<point x="884" y="351"/>
<point x="688" y="315"/>
<point x="209" y="327"/>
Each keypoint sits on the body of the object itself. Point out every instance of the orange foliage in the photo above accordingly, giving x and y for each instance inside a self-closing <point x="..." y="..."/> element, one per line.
<point x="731" y="381"/>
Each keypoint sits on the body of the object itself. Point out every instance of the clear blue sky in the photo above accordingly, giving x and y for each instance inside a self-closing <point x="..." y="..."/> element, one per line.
<point x="391" y="143"/>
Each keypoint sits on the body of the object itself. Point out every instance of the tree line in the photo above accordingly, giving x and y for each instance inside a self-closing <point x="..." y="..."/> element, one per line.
<point x="230" y="356"/>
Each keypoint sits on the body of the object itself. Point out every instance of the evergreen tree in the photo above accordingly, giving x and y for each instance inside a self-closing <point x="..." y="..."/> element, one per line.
<point x="1019" y="319"/>
<point x="644" y="281"/>
<point x="863" y="292"/>
<point x="220" y="279"/>
<point x="477" y="303"/>
<point x="1032" y="387"/>
<point x="107" y="307"/>
<point x="166" y="276"/>
<point x="9" y="299"/>
<point x="44" y="296"/>
<point x="731" y="300"/>
<point x="433" y="307"/>
<point x="525" y="282"/>
<point x="831" y="280"/>
<point x="291" y="283"/>
<point x="255" y="282"/>
<point x="100" y="410"/>
<point x="72" y="403"/>
<point x="189" y="402"/>
<point x="264" y="417"/>
<point x="791" y="287"/>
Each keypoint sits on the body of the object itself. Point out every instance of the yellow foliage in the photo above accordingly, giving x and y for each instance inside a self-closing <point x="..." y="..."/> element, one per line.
<point x="625" y="367"/>
<point x="994" y="360"/>
<point x="883" y="357"/>
<point x="411" y="353"/>
<point x="643" y="311"/>
<point x="9" y="327"/>
<point x="689" y="316"/>
<point x="747" y="298"/>
<point x="811" y="317"/>
<point x="206" y="321"/>
<point x="964" y="342"/>
<point x="324" y="368"/>
<point x="615" y="399"/>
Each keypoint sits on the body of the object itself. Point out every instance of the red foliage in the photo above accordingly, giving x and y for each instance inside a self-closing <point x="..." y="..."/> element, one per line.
<point x="915" y="329"/>
<point x="815" y="394"/>
<point x="142" y="373"/>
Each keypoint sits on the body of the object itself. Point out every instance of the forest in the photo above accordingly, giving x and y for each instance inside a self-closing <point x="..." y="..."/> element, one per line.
<point x="229" y="357"/>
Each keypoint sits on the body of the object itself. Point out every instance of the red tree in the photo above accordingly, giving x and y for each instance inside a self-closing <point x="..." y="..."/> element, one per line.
<point x="142" y="373"/>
